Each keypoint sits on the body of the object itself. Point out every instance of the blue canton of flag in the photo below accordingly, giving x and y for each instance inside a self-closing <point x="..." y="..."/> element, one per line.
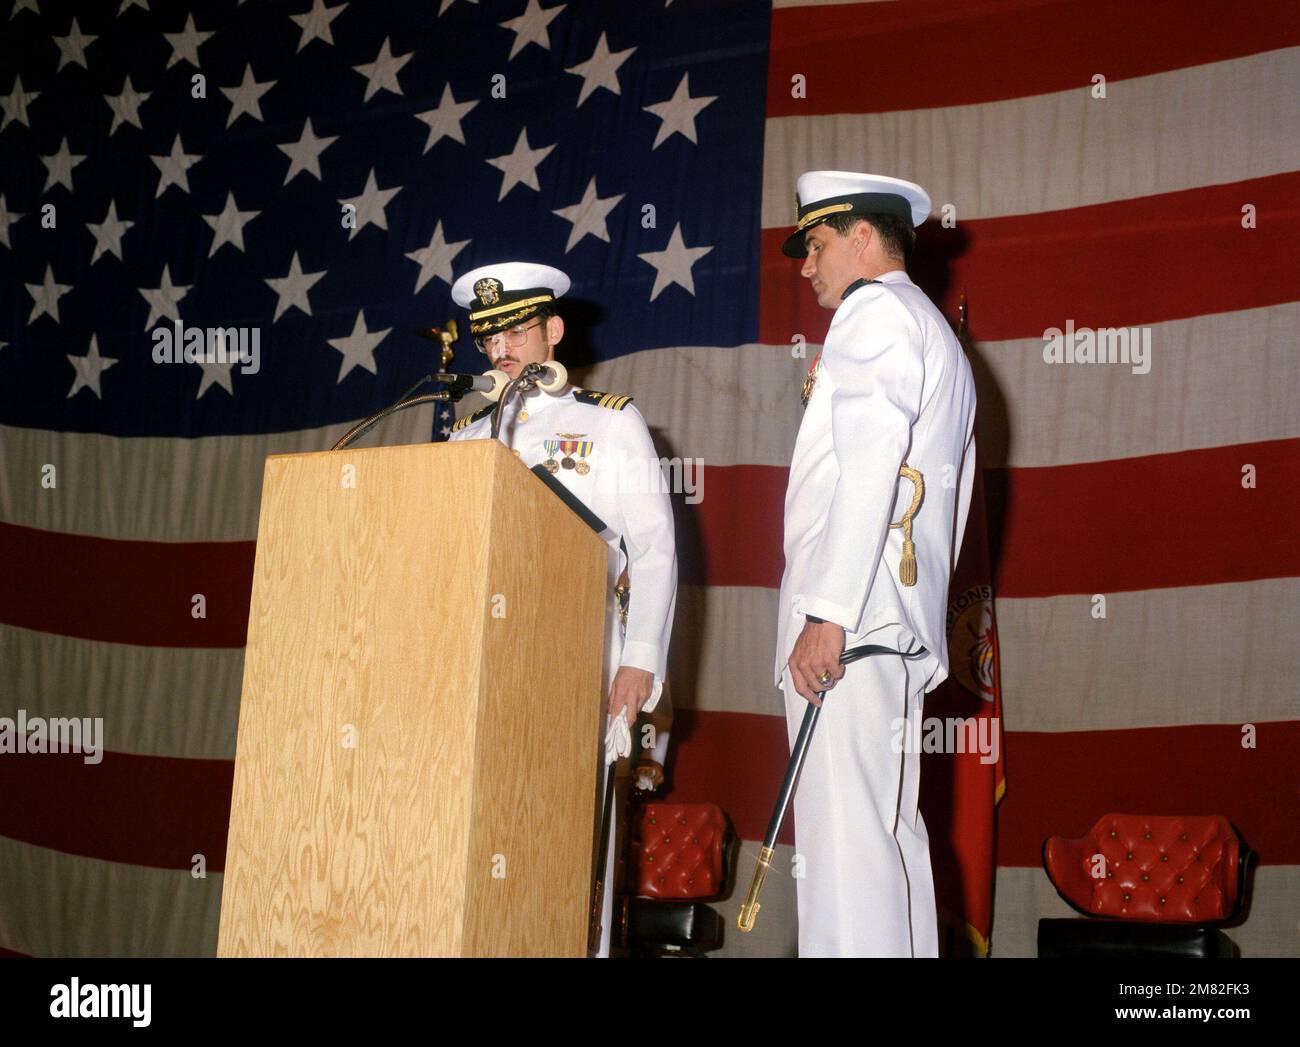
<point x="309" y="177"/>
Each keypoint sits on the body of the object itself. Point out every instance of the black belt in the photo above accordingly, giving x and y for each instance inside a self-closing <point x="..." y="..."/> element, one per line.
<point x="862" y="650"/>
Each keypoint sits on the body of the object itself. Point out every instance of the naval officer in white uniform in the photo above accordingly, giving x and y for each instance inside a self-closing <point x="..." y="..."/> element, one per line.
<point x="598" y="446"/>
<point x="890" y="388"/>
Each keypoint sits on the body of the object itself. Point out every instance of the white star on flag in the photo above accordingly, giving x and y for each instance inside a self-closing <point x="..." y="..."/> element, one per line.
<point x="447" y="3"/>
<point x="185" y="44"/>
<point x="72" y="48"/>
<point x="217" y="372"/>
<point x="23" y="5"/>
<point x="15" y="104"/>
<point x="291" y="290"/>
<point x="228" y="225"/>
<point x="163" y="299"/>
<point x="358" y="348"/>
<point x="7" y="218"/>
<point x="520" y="166"/>
<point x="370" y="205"/>
<point x="108" y="233"/>
<point x="315" y="24"/>
<point x="444" y="122"/>
<point x="171" y="169"/>
<point x="435" y="260"/>
<point x="46" y="295"/>
<point x="126" y="106"/>
<point x="89" y="368"/>
<point x="677" y="115"/>
<point x="530" y="27"/>
<point x="381" y="74"/>
<point x="58" y="167"/>
<point x="600" y="70"/>
<point x="246" y="98"/>
<point x="304" y="154"/>
<point x="142" y="4"/>
<point x="588" y="216"/>
<point x="673" y="263"/>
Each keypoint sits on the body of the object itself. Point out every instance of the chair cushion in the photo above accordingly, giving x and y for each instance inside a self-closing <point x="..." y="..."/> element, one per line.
<point x="1159" y="868"/>
<point x="677" y="850"/>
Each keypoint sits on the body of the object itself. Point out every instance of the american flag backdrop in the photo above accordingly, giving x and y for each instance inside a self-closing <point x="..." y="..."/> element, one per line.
<point x="316" y="174"/>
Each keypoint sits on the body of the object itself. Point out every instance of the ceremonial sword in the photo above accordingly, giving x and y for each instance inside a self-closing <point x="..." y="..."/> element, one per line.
<point x="749" y="910"/>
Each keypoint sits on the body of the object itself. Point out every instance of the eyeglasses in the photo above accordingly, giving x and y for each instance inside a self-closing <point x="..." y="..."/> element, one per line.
<point x="514" y="338"/>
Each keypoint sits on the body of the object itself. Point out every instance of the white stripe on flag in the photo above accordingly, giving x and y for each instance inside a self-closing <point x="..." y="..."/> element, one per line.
<point x="60" y="904"/>
<point x="1177" y="656"/>
<point x="1204" y="125"/>
<point x="156" y="701"/>
<point x="162" y="489"/>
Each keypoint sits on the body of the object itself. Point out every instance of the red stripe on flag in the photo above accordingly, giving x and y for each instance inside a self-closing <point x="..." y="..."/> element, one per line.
<point x="159" y="811"/>
<point x="1091" y="528"/>
<point x="1062" y="782"/>
<point x="144" y="810"/>
<point x="126" y="591"/>
<point x="1115" y="526"/>
<point x="735" y="534"/>
<point x="1065" y="782"/>
<point x="1154" y="522"/>
<point x="1141" y="261"/>
<point x="874" y="59"/>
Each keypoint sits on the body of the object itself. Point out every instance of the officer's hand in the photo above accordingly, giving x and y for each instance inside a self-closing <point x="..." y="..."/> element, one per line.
<point x="817" y="650"/>
<point x="631" y="689"/>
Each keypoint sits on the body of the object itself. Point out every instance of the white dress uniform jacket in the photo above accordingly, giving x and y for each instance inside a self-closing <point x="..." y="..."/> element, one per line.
<point x="893" y="386"/>
<point x="624" y="485"/>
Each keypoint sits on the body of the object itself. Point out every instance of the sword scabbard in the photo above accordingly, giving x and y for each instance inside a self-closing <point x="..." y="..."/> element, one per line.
<point x="749" y="910"/>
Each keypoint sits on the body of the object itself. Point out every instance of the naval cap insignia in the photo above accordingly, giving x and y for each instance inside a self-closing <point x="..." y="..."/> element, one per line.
<point x="488" y="290"/>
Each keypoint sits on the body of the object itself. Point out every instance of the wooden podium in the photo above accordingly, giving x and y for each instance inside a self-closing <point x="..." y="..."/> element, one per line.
<point x="420" y="725"/>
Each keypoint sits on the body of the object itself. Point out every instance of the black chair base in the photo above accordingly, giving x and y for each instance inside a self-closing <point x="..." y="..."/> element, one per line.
<point x="1130" y="939"/>
<point x="667" y="928"/>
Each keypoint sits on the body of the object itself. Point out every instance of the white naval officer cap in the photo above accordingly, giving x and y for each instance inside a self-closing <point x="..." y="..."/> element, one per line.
<point x="507" y="293"/>
<point x="820" y="195"/>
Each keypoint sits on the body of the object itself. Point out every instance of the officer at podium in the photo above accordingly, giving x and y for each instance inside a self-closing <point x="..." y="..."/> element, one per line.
<point x="596" y="444"/>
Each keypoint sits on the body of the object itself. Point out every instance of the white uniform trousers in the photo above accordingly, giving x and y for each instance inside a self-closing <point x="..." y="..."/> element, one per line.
<point x="866" y="887"/>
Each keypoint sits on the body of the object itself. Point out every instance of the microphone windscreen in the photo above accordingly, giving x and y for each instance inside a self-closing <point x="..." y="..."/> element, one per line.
<point x="499" y="382"/>
<point x="557" y="377"/>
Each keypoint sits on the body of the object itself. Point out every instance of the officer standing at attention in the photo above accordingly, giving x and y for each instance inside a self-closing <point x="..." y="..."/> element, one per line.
<point x="887" y="432"/>
<point x="596" y="444"/>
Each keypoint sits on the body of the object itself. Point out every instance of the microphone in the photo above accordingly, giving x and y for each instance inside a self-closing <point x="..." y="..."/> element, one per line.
<point x="489" y="384"/>
<point x="549" y="377"/>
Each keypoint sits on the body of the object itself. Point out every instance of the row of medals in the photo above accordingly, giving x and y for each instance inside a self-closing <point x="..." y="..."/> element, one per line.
<point x="580" y="467"/>
<point x="552" y="466"/>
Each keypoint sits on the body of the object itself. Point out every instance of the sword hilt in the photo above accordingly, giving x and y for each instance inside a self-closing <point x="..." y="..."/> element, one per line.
<point x="749" y="910"/>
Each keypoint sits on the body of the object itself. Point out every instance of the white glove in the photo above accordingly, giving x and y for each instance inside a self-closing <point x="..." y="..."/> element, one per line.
<point x="653" y="700"/>
<point x="618" y="738"/>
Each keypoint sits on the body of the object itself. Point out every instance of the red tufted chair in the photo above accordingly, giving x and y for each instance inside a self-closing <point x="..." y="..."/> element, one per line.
<point x="681" y="856"/>
<point x="1153" y="885"/>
